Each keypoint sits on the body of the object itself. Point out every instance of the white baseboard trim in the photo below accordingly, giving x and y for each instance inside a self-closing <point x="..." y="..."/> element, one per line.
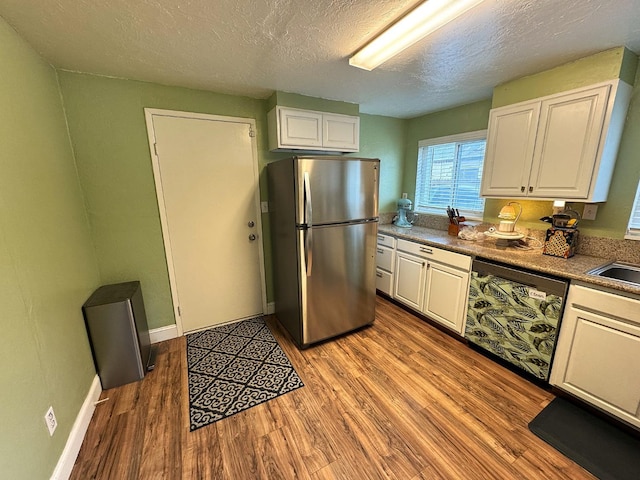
<point x="163" y="333"/>
<point x="76" y="436"/>
<point x="171" y="331"/>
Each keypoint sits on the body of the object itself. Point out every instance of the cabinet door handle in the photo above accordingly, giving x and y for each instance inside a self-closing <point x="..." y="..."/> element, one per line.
<point x="381" y="238"/>
<point x="378" y="274"/>
<point x="530" y="189"/>
<point x="426" y="250"/>
<point x="522" y="188"/>
<point x="380" y="250"/>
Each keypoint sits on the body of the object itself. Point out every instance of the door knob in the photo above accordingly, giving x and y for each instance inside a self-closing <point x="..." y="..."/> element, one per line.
<point x="252" y="237"/>
<point x="251" y="224"/>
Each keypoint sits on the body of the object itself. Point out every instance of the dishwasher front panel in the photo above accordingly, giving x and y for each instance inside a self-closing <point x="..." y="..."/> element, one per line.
<point x="515" y="318"/>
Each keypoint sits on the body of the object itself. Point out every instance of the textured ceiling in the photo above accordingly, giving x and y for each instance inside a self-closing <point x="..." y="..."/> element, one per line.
<point x="302" y="46"/>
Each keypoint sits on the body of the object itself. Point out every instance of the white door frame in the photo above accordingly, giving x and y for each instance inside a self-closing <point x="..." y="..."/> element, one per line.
<point x="149" y="113"/>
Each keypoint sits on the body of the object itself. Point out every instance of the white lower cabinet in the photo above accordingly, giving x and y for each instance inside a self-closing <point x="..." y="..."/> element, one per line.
<point x="385" y="261"/>
<point x="384" y="281"/>
<point x="598" y="351"/>
<point x="410" y="279"/>
<point x="385" y="258"/>
<point x="434" y="282"/>
<point x="445" y="296"/>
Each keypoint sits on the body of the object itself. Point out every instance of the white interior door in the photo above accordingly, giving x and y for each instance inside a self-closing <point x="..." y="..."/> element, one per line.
<point x="207" y="182"/>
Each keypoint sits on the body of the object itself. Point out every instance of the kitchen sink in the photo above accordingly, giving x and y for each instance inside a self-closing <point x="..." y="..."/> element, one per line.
<point x="625" y="272"/>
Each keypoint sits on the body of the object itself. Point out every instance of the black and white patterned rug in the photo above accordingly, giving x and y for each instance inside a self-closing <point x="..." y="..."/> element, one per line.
<point x="235" y="367"/>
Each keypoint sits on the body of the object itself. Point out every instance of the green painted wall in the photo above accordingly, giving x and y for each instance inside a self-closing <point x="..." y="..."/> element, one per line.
<point x="615" y="63"/>
<point x="293" y="100"/>
<point x="613" y="215"/>
<point x="67" y="227"/>
<point x="59" y="241"/>
<point x="384" y="138"/>
<point x="108" y="131"/>
<point x="629" y="67"/>
<point x="466" y="118"/>
<point x="106" y="121"/>
<point x="47" y="266"/>
<point x="380" y="137"/>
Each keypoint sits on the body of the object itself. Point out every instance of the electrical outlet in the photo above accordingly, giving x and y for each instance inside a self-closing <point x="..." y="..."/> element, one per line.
<point x="590" y="210"/>
<point x="50" y="420"/>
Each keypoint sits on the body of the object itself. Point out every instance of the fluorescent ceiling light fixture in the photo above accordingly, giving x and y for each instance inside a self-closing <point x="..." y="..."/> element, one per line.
<point x="417" y="24"/>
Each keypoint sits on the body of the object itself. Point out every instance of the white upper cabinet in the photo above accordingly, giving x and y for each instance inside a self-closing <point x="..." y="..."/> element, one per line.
<point x="296" y="129"/>
<point x="341" y="132"/>
<point x="510" y="144"/>
<point x="569" y="133"/>
<point x="299" y="127"/>
<point x="563" y="146"/>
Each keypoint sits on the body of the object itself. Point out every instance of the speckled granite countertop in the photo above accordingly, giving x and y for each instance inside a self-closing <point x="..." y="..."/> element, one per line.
<point x="574" y="268"/>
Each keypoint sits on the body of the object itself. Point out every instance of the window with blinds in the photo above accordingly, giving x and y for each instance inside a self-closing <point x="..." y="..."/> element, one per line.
<point x="633" y="230"/>
<point x="450" y="173"/>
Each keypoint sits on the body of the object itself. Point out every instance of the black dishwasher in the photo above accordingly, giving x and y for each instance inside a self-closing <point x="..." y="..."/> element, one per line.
<point x="515" y="314"/>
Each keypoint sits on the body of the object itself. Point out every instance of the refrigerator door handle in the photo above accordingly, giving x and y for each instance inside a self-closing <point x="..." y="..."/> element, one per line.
<point x="308" y="250"/>
<point x="308" y="232"/>
<point x="308" y="209"/>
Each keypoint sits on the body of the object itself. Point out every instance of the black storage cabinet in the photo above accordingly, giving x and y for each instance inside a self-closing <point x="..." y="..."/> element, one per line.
<point x="118" y="332"/>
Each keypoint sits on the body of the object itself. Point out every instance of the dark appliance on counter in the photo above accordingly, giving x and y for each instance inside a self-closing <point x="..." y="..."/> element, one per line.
<point x="118" y="332"/>
<point x="515" y="314"/>
<point x="560" y="242"/>
<point x="324" y="224"/>
<point x="562" y="238"/>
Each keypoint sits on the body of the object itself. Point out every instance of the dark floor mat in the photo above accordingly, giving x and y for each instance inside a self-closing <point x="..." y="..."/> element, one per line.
<point x="607" y="451"/>
<point x="234" y="367"/>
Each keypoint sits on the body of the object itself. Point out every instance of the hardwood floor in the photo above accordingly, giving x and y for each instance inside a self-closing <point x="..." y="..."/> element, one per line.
<point x="398" y="400"/>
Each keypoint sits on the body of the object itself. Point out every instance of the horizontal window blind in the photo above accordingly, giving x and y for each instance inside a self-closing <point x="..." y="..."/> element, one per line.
<point x="633" y="230"/>
<point x="450" y="173"/>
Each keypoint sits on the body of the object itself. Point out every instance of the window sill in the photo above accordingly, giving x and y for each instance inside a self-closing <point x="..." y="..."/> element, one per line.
<point x="468" y="217"/>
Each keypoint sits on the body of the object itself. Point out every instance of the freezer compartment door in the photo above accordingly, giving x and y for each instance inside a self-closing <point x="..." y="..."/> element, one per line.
<point x="335" y="190"/>
<point x="514" y="321"/>
<point x="338" y="279"/>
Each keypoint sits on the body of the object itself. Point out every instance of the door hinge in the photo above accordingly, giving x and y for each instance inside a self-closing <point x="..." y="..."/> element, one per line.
<point x="155" y="148"/>
<point x="251" y="132"/>
<point x="179" y="311"/>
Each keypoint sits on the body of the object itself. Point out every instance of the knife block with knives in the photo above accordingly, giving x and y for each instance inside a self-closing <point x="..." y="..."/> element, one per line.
<point x="455" y="221"/>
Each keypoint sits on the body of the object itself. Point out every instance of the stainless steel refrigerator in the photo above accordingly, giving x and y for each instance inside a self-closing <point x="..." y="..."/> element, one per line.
<point x="324" y="222"/>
